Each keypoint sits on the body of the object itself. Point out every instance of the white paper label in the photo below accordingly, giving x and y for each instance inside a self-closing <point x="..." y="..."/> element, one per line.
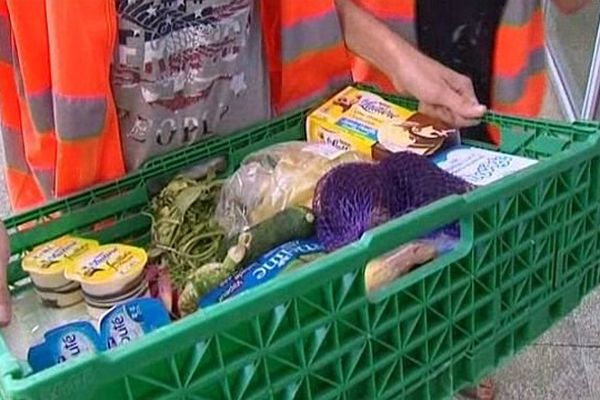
<point x="324" y="150"/>
<point x="480" y="167"/>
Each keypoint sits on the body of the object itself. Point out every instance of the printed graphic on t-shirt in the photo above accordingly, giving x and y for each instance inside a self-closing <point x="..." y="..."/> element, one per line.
<point x="180" y="64"/>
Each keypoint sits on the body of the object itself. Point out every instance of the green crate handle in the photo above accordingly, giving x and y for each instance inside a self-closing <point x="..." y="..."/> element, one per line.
<point x="411" y="227"/>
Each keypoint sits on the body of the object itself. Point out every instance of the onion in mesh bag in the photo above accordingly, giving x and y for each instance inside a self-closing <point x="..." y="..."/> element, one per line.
<point x="349" y="200"/>
<point x="354" y="198"/>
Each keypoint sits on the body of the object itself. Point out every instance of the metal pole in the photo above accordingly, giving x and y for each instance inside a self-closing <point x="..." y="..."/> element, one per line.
<point x="592" y="91"/>
<point x="558" y="80"/>
<point x="560" y="87"/>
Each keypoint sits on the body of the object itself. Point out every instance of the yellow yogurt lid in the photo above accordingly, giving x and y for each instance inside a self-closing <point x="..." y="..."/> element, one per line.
<point x="104" y="264"/>
<point x="48" y="258"/>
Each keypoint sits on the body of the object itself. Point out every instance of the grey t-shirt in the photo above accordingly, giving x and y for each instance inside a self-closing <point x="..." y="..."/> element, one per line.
<point x="186" y="70"/>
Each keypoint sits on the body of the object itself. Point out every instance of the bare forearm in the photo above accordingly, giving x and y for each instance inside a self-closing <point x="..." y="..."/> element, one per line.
<point x="369" y="38"/>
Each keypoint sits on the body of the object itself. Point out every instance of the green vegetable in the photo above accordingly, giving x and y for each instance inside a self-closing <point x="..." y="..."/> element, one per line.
<point x="184" y="234"/>
<point x="292" y="223"/>
<point x="287" y="225"/>
<point x="209" y="276"/>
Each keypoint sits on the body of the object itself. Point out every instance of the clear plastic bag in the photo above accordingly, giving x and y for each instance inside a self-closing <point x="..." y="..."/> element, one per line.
<point x="275" y="178"/>
<point x="31" y="320"/>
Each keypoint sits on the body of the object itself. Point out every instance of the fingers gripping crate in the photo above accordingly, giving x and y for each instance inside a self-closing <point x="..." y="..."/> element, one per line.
<point x="528" y="254"/>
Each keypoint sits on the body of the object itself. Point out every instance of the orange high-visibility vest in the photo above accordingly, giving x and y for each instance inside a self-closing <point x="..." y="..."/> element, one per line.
<point x="307" y="59"/>
<point x="58" y="118"/>
<point x="306" y="53"/>
<point x="311" y="61"/>
<point x="24" y="189"/>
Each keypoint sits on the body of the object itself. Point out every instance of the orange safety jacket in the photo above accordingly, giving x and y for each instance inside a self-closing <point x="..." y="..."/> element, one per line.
<point x="308" y="58"/>
<point x="57" y="115"/>
<point x="59" y="123"/>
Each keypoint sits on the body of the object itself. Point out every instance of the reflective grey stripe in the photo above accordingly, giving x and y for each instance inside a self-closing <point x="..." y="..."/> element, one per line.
<point x="14" y="153"/>
<point x="509" y="90"/>
<point x="334" y="85"/>
<point x="314" y="34"/>
<point x="45" y="179"/>
<point x="19" y="82"/>
<point x="17" y="72"/>
<point x="325" y="31"/>
<point x="404" y="27"/>
<point x="42" y="113"/>
<point x="14" y="149"/>
<point x="5" y="42"/>
<point x="519" y="12"/>
<point x="79" y="118"/>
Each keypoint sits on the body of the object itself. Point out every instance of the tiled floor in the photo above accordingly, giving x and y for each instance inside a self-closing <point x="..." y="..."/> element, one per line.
<point x="564" y="364"/>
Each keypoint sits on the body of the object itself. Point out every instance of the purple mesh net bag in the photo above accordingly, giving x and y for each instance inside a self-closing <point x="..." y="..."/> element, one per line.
<point x="349" y="200"/>
<point x="425" y="183"/>
<point x="420" y="180"/>
<point x="353" y="198"/>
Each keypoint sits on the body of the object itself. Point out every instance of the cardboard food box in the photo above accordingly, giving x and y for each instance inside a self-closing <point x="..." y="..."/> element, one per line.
<point x="358" y="120"/>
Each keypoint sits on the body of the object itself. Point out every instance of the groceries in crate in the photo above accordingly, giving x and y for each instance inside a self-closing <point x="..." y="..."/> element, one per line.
<point x="285" y="206"/>
<point x="273" y="179"/>
<point x="132" y="320"/>
<point x="387" y="268"/>
<point x="365" y="122"/>
<point x="262" y="209"/>
<point x="244" y="248"/>
<point x="348" y="198"/>
<point x="184" y="232"/>
<point x="478" y="166"/>
<point x="109" y="275"/>
<point x="120" y="325"/>
<point x="210" y="236"/>
<point x="353" y="198"/>
<point x="64" y="343"/>
<point x="285" y="257"/>
<point x="46" y="264"/>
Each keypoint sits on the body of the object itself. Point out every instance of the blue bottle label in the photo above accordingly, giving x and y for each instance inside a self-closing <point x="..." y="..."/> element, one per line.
<point x="262" y="270"/>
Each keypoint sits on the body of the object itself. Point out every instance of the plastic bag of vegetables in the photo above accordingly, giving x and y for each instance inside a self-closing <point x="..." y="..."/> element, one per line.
<point x="184" y="233"/>
<point x="275" y="178"/>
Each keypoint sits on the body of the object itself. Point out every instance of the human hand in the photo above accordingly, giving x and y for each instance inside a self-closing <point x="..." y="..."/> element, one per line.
<point x="442" y="92"/>
<point x="5" y="308"/>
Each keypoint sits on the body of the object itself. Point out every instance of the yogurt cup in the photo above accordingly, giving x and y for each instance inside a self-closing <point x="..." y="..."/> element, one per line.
<point x="61" y="297"/>
<point x="46" y="264"/>
<point x="96" y="306"/>
<point x="107" y="270"/>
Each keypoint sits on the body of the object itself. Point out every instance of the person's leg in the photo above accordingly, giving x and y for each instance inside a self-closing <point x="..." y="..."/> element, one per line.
<point x="484" y="391"/>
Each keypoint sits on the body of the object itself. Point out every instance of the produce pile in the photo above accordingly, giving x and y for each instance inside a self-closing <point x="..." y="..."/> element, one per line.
<point x="185" y="235"/>
<point x="285" y="206"/>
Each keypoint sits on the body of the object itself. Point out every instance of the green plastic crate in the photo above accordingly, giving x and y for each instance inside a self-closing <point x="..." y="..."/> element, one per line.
<point x="528" y="255"/>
